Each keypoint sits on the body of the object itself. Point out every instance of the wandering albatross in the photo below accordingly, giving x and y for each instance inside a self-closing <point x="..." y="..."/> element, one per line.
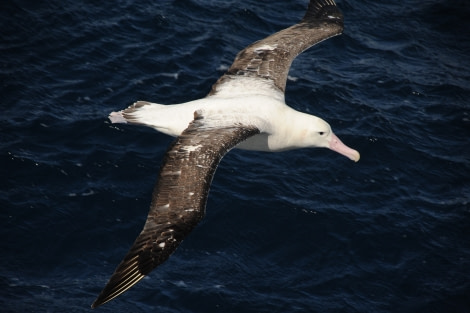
<point x="245" y="108"/>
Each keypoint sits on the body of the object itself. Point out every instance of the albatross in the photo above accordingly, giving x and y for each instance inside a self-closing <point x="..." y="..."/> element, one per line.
<point x="244" y="109"/>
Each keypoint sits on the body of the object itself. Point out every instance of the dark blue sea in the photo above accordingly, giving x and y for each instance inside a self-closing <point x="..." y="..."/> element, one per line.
<point x="297" y="231"/>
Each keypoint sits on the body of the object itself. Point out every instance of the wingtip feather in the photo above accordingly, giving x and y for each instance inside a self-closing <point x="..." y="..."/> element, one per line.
<point x="126" y="275"/>
<point x="323" y="10"/>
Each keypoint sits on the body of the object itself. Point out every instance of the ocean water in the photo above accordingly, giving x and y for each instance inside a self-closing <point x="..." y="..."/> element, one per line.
<point x="298" y="231"/>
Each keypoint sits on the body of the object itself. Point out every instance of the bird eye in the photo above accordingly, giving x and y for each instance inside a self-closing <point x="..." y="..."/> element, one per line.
<point x="321" y="133"/>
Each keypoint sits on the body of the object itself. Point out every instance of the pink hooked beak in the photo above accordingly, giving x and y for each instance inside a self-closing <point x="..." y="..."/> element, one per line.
<point x="338" y="146"/>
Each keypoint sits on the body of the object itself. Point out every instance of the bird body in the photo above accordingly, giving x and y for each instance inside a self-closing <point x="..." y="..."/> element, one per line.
<point x="245" y="109"/>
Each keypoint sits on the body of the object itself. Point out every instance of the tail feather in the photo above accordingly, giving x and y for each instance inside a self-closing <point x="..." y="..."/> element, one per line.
<point x="127" y="115"/>
<point x="117" y="117"/>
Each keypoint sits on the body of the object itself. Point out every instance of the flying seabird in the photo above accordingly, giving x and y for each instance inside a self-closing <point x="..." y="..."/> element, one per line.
<point x="246" y="109"/>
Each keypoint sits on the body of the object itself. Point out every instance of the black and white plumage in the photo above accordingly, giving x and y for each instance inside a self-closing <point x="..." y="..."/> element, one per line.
<point x="246" y="109"/>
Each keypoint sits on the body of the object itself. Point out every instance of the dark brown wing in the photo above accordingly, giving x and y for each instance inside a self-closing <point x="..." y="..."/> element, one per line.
<point x="271" y="57"/>
<point x="178" y="200"/>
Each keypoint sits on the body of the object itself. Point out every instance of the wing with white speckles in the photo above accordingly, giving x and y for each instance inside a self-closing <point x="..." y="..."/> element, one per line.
<point x="178" y="200"/>
<point x="269" y="59"/>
